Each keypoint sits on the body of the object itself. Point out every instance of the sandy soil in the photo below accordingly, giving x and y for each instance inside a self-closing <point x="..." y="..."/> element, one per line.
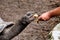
<point x="11" y="10"/>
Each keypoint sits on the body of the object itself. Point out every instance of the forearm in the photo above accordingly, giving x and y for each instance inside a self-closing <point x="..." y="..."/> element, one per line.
<point x="55" y="12"/>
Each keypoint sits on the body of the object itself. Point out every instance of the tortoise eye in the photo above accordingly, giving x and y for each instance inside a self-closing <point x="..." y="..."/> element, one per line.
<point x="28" y="14"/>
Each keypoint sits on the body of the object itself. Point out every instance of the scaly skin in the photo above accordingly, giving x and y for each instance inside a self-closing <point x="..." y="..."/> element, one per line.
<point x="18" y="27"/>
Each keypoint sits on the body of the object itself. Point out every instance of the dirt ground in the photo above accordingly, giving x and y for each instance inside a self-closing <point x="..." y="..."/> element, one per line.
<point x="11" y="10"/>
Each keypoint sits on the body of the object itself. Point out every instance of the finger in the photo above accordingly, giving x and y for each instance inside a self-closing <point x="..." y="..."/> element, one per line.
<point x="40" y="18"/>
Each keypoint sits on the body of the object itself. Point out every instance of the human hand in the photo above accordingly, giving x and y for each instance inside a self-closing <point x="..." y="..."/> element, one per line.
<point x="45" y="16"/>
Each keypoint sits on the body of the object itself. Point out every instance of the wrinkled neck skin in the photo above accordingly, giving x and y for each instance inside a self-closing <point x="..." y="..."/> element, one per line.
<point x="17" y="28"/>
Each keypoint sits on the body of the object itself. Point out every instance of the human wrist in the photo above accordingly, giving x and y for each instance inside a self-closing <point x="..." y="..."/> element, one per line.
<point x="51" y="13"/>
